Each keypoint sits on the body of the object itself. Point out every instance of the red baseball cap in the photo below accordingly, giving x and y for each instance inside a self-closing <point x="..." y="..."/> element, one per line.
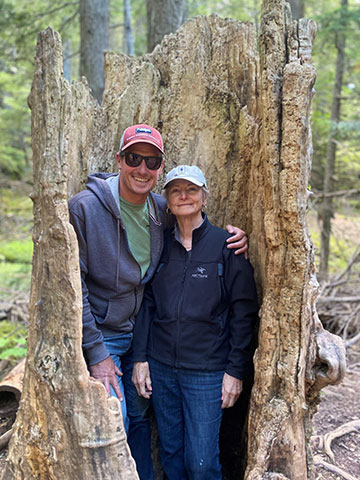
<point x="141" y="134"/>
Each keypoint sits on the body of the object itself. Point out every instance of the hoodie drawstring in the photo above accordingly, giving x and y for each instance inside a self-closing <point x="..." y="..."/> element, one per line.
<point x="118" y="255"/>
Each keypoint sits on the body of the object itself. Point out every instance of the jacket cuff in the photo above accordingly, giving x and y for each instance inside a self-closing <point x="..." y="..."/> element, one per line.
<point x="95" y="354"/>
<point x="239" y="373"/>
<point x="139" y="357"/>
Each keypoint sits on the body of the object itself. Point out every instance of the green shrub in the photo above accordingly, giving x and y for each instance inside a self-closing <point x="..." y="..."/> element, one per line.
<point x="15" y="276"/>
<point x="16" y="251"/>
<point x="12" y="341"/>
<point x="15" y="201"/>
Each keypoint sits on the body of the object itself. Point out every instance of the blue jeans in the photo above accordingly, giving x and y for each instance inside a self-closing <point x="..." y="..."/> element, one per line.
<point x="134" y="408"/>
<point x="187" y="405"/>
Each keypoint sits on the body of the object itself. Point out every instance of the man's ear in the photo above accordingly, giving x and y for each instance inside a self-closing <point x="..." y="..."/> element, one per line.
<point x="118" y="158"/>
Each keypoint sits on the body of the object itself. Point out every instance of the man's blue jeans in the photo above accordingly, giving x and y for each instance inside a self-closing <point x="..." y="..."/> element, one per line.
<point x="187" y="405"/>
<point x="134" y="409"/>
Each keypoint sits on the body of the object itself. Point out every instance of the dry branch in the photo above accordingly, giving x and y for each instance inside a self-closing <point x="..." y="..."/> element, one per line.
<point x="338" y="299"/>
<point x="339" y="432"/>
<point x="352" y="341"/>
<point x="15" y="307"/>
<point x="324" y="441"/>
<point x="339" y="193"/>
<point x="332" y="468"/>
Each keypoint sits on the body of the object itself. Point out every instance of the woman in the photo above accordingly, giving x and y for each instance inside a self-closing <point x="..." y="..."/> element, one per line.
<point x="193" y="334"/>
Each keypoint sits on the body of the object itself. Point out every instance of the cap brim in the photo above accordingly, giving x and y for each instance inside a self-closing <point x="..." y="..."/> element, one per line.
<point x="142" y="140"/>
<point x="189" y="179"/>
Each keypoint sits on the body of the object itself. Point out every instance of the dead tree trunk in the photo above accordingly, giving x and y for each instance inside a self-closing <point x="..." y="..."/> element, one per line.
<point x="164" y="17"/>
<point x="57" y="435"/>
<point x="297" y="8"/>
<point x="242" y="115"/>
<point x="94" y="41"/>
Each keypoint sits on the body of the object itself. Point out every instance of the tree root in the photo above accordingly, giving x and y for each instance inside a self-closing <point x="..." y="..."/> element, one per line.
<point x="324" y="443"/>
<point x="325" y="440"/>
<point x="332" y="468"/>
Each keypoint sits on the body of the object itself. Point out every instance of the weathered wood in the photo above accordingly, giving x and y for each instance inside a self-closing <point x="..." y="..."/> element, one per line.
<point x="242" y="115"/>
<point x="5" y="438"/>
<point x="65" y="425"/>
<point x="12" y="383"/>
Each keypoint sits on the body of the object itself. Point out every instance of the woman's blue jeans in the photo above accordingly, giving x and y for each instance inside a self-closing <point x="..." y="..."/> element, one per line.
<point x="134" y="408"/>
<point x="187" y="405"/>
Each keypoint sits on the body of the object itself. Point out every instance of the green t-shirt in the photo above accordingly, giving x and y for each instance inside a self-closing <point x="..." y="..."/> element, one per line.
<point x="136" y="221"/>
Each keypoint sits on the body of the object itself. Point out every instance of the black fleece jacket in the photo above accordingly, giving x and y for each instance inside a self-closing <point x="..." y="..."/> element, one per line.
<point x="200" y="308"/>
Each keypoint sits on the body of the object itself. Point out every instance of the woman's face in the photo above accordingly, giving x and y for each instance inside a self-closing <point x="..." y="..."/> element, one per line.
<point x="185" y="198"/>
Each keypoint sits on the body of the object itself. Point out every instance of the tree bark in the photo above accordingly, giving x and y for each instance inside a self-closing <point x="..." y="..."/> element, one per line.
<point x="327" y="206"/>
<point x="164" y="17"/>
<point x="94" y="41"/>
<point x="242" y="115"/>
<point x="65" y="425"/>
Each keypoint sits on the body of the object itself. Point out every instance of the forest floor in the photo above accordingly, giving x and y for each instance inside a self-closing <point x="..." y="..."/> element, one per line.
<point x="338" y="413"/>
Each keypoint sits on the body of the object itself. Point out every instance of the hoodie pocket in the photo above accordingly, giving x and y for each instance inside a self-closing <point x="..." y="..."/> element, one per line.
<point x="119" y="312"/>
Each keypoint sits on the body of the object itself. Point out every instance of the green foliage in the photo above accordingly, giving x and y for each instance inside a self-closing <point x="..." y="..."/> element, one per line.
<point x="15" y="238"/>
<point x="15" y="276"/>
<point x="342" y="19"/>
<point x="14" y="123"/>
<point x="12" y="341"/>
<point x="343" y="241"/>
<point x="139" y="26"/>
<point x="243" y="11"/>
<point x="16" y="251"/>
<point x="333" y="21"/>
<point x="14" y="202"/>
<point x="20" y="22"/>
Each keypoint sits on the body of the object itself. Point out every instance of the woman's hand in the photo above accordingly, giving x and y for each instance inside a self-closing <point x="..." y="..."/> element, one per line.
<point x="239" y="240"/>
<point x="141" y="379"/>
<point x="231" y="389"/>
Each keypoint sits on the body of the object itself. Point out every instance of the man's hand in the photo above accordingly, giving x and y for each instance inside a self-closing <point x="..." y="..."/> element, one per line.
<point x="141" y="379"/>
<point x="106" y="372"/>
<point x="231" y="389"/>
<point x="238" y="240"/>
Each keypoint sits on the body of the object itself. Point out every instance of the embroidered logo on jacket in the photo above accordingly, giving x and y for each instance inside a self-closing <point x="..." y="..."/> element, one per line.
<point x="200" y="273"/>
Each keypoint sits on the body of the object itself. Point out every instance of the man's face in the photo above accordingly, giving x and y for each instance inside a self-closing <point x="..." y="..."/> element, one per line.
<point x="136" y="182"/>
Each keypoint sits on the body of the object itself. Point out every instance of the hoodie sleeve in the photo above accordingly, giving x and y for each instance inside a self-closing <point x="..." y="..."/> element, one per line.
<point x="142" y="325"/>
<point x="92" y="340"/>
<point x="241" y="288"/>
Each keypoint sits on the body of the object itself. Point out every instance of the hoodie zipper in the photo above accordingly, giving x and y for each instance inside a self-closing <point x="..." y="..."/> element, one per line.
<point x="136" y="291"/>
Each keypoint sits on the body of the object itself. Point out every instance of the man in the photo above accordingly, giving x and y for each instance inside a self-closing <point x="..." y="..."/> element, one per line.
<point x="119" y="225"/>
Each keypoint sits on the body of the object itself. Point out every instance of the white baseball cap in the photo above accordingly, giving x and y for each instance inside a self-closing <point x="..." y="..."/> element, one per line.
<point x="192" y="173"/>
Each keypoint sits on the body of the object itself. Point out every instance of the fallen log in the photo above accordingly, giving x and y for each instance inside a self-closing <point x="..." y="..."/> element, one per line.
<point x="11" y="386"/>
<point x="10" y="393"/>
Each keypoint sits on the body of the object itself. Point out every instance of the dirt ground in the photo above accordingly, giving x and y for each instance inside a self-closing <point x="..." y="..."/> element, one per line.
<point x="339" y="406"/>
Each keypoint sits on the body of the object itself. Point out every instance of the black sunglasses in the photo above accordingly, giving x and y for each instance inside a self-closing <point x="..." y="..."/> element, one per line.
<point x="135" y="159"/>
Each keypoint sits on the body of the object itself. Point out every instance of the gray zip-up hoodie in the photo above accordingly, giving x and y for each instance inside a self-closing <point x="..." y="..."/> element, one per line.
<point x="112" y="288"/>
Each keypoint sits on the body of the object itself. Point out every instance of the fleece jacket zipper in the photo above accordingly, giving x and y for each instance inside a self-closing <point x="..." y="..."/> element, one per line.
<point x="180" y="302"/>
